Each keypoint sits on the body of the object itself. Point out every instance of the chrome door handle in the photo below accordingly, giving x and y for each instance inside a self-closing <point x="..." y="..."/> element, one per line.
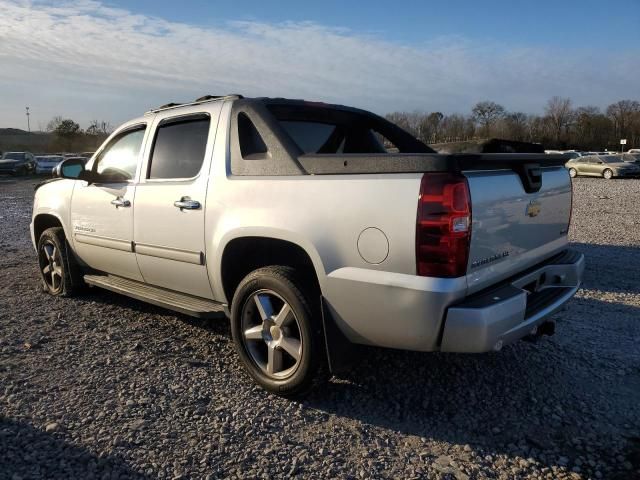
<point x="185" y="203"/>
<point x="121" y="202"/>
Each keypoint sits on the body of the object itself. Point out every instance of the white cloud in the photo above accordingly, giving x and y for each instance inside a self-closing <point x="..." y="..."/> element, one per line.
<point x="86" y="60"/>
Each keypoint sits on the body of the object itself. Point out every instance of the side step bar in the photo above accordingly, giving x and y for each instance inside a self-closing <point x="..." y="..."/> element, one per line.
<point x="162" y="297"/>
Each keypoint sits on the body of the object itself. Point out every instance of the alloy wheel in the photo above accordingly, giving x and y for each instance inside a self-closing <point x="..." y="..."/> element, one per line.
<point x="51" y="265"/>
<point x="271" y="334"/>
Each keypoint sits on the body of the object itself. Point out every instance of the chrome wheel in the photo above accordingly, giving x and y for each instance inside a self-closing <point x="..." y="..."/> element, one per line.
<point x="271" y="334"/>
<point x="572" y="172"/>
<point x="51" y="265"/>
<point x="608" y="174"/>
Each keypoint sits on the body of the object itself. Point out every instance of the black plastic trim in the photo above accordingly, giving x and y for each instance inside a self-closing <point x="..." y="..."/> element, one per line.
<point x="286" y="158"/>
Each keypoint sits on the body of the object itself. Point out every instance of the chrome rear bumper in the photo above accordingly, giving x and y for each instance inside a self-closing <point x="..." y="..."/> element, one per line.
<point x="501" y="315"/>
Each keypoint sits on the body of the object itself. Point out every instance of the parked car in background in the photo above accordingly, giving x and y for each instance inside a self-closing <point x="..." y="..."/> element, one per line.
<point x="46" y="163"/>
<point x="634" y="150"/>
<point x="631" y="157"/>
<point x="18" y="163"/>
<point x="84" y="160"/>
<point x="605" y="166"/>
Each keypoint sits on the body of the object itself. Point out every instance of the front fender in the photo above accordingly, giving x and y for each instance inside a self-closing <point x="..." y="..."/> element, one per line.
<point x="53" y="199"/>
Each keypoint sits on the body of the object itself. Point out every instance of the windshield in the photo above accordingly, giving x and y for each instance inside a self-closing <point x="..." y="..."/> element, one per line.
<point x="13" y="156"/>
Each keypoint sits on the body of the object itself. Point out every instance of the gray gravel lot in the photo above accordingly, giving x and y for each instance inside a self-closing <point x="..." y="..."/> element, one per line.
<point x="101" y="386"/>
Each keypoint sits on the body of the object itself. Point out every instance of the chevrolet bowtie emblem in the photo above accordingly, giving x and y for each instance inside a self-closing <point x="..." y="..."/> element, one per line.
<point x="533" y="209"/>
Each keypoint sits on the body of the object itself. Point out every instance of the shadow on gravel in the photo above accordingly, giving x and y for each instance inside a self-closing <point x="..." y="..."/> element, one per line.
<point x="26" y="452"/>
<point x="105" y="297"/>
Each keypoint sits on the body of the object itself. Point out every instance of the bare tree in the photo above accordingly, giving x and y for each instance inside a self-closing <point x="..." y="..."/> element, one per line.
<point x="430" y="127"/>
<point x="486" y="113"/>
<point x="516" y="126"/>
<point x="560" y="116"/>
<point x="591" y="129"/>
<point x="54" y="123"/>
<point x="625" y="114"/>
<point x="99" y="128"/>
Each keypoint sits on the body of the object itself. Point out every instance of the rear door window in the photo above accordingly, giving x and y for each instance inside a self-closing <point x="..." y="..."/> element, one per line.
<point x="179" y="148"/>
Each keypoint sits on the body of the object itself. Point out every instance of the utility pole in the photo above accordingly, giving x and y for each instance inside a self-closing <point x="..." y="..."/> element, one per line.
<point x="28" y="122"/>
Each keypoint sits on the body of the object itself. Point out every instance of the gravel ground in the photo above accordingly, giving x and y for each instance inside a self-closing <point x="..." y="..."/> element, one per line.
<point x="101" y="386"/>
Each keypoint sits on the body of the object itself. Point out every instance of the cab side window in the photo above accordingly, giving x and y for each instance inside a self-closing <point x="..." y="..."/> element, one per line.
<point x="179" y="147"/>
<point x="118" y="162"/>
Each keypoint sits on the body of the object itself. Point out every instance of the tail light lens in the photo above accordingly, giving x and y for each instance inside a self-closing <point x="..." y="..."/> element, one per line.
<point x="443" y="228"/>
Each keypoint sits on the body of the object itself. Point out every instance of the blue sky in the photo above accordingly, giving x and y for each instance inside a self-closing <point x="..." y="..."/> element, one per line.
<point x="112" y="60"/>
<point x="597" y="24"/>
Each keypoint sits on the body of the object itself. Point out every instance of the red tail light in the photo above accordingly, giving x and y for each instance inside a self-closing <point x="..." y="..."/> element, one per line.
<point x="443" y="228"/>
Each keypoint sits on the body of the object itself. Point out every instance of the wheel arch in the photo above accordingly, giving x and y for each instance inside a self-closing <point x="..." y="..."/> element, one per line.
<point x="244" y="253"/>
<point x="43" y="221"/>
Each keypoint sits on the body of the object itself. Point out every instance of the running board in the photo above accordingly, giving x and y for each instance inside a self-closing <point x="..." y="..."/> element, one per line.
<point x="162" y="297"/>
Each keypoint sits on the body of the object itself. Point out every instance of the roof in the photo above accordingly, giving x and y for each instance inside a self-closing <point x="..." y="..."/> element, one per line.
<point x="197" y="101"/>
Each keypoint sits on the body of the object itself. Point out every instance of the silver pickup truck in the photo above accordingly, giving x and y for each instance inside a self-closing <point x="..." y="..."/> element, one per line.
<point x="310" y="225"/>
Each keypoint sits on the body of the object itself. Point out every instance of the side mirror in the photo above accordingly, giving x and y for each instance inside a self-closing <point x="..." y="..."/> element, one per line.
<point x="72" y="169"/>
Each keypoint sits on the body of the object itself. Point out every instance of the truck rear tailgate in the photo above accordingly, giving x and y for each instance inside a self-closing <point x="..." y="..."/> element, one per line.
<point x="511" y="229"/>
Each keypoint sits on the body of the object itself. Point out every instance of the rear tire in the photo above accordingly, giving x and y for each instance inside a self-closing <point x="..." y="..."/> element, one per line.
<point x="573" y="173"/>
<point x="607" y="174"/>
<point x="59" y="271"/>
<point x="277" y="331"/>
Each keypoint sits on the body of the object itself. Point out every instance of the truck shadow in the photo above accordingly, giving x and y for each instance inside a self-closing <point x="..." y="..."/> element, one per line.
<point x="28" y="452"/>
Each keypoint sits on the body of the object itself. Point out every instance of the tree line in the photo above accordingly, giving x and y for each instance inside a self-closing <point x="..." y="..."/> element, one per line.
<point x="560" y="127"/>
<point x="69" y="137"/>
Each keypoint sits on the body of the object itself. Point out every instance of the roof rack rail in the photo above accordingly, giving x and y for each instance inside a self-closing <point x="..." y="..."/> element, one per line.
<point x="203" y="99"/>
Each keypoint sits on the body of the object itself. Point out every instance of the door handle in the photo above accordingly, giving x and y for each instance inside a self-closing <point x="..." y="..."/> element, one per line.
<point x="185" y="203"/>
<point x="121" y="202"/>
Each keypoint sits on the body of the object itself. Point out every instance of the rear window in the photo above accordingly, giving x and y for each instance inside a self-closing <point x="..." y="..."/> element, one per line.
<point x="322" y="129"/>
<point x="179" y="147"/>
<point x="309" y="136"/>
<point x="14" y="156"/>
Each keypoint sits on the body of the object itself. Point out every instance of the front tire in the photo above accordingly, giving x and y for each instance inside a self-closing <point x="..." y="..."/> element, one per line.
<point x="276" y="331"/>
<point x="58" y="268"/>
<point x="573" y="173"/>
<point x="607" y="174"/>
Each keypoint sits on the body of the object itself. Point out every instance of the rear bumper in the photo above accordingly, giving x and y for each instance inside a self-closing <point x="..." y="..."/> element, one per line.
<point x="501" y="315"/>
